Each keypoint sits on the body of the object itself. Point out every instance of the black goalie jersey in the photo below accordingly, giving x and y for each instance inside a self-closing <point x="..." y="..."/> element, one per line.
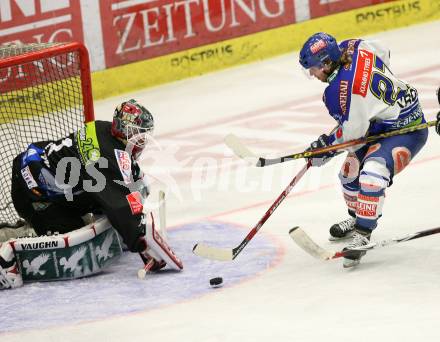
<point x="54" y="183"/>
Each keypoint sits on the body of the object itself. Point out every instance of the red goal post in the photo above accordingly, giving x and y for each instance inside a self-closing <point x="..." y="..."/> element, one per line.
<point x="45" y="94"/>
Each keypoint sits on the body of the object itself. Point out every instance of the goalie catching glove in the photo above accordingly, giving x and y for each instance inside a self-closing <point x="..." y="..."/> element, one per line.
<point x="323" y="158"/>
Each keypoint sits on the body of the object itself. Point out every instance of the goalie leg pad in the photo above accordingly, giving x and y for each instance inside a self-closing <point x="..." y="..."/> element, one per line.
<point x="10" y="276"/>
<point x="80" y="253"/>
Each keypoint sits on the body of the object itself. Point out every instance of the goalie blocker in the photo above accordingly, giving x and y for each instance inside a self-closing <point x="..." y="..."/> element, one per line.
<point x="156" y="251"/>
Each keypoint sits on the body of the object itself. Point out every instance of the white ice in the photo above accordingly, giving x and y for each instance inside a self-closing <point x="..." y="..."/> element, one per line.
<point x="394" y="295"/>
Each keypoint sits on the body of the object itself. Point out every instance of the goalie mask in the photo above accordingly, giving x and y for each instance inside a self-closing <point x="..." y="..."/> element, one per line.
<point x="134" y="123"/>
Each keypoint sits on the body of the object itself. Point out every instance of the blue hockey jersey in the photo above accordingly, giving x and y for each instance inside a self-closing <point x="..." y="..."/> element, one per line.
<point x="365" y="98"/>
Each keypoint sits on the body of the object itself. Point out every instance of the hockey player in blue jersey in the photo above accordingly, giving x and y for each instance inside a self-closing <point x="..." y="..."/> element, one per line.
<point x="365" y="98"/>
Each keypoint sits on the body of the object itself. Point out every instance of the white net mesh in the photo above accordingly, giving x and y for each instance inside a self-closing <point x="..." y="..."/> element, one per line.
<point x="40" y="99"/>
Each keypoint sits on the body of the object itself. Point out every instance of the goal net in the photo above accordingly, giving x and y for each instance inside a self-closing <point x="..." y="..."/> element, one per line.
<point x="45" y="94"/>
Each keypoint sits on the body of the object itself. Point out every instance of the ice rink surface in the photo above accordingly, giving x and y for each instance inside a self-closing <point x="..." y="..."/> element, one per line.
<point x="394" y="294"/>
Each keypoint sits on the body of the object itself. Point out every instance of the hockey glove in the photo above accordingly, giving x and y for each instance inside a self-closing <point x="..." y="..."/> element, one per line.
<point x="323" y="158"/>
<point x="157" y="248"/>
<point x="437" y="126"/>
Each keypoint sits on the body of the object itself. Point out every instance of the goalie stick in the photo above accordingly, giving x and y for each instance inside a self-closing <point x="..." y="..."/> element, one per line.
<point x="142" y="272"/>
<point x="234" y="143"/>
<point x="307" y="244"/>
<point x="229" y="254"/>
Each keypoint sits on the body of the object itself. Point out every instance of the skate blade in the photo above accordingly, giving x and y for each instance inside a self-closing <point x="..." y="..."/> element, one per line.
<point x="348" y="263"/>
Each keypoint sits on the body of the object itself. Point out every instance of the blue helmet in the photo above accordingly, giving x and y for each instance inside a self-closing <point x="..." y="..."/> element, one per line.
<point x="319" y="49"/>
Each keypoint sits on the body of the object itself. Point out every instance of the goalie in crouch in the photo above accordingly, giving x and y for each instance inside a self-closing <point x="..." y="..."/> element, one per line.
<point x="102" y="158"/>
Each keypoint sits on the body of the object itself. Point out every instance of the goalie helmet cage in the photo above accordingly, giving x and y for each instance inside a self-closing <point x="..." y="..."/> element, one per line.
<point x="45" y="94"/>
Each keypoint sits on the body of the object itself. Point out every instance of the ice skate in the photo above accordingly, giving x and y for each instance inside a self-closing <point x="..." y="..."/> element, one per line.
<point x="361" y="237"/>
<point x="342" y="230"/>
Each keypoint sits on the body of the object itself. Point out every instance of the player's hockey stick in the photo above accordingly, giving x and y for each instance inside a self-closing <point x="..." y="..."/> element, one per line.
<point x="228" y="254"/>
<point x="234" y="143"/>
<point x="311" y="247"/>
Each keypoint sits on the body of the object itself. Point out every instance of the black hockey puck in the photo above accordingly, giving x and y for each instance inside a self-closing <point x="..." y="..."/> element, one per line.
<point x="438" y="95"/>
<point x="216" y="282"/>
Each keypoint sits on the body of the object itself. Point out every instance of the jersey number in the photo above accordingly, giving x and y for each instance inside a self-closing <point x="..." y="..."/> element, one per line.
<point x="382" y="87"/>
